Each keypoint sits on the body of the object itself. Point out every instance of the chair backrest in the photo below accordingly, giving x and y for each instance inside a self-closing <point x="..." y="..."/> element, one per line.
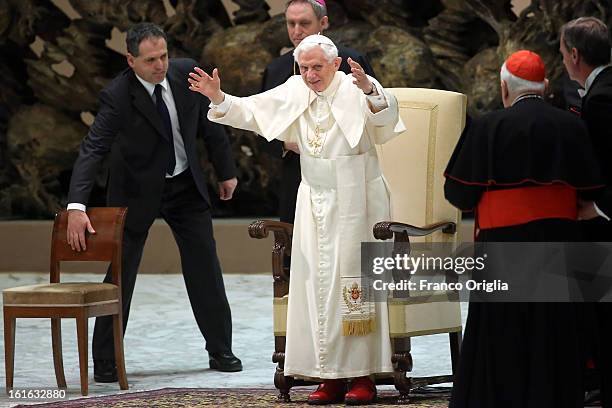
<point x="104" y="245"/>
<point x="414" y="163"/>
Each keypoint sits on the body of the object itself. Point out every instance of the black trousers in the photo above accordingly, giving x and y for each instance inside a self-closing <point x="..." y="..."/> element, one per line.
<point x="603" y="351"/>
<point x="599" y="317"/>
<point x="188" y="216"/>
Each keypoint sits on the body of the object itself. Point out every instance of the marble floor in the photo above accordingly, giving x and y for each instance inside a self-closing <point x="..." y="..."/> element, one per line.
<point x="163" y="346"/>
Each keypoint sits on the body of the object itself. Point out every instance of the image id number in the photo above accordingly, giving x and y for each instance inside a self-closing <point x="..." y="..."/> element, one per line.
<point x="36" y="393"/>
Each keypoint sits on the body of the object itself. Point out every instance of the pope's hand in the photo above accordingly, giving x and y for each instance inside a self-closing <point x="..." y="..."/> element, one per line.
<point x="361" y="79"/>
<point x="208" y="86"/>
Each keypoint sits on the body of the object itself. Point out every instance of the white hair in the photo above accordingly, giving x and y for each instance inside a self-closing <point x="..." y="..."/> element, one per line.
<point x="518" y="85"/>
<point x="330" y="50"/>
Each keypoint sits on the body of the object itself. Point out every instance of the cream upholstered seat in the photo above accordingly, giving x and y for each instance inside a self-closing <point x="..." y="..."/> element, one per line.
<point x="413" y="165"/>
<point x="61" y="294"/>
<point x="414" y="168"/>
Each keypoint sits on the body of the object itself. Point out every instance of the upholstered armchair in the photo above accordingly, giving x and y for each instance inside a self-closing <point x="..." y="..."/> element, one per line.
<point x="413" y="165"/>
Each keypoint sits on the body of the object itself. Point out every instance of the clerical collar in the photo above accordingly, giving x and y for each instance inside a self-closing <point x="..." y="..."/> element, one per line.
<point x="333" y="86"/>
<point x="526" y="96"/>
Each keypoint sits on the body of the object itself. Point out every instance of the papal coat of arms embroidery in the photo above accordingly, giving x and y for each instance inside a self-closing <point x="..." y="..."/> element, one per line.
<point x="357" y="316"/>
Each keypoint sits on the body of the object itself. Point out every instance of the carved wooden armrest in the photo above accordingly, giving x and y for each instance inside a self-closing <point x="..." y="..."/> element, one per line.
<point x="283" y="233"/>
<point x="401" y="231"/>
<point x="261" y="228"/>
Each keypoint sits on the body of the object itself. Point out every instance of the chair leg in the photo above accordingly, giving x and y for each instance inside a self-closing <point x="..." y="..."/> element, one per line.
<point x="402" y="363"/>
<point x="455" y="349"/>
<point x="9" y="347"/>
<point x="119" y="355"/>
<point x="58" y="360"/>
<point x="281" y="382"/>
<point x="82" y="336"/>
<point x="284" y="384"/>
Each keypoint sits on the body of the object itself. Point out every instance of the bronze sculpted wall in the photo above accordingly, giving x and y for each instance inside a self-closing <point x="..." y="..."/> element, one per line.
<point x="45" y="99"/>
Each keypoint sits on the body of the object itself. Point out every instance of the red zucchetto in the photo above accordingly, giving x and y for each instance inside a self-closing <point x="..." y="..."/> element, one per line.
<point x="526" y="65"/>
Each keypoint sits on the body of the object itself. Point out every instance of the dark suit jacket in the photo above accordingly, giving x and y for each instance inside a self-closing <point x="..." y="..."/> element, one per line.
<point x="129" y="128"/>
<point x="276" y="73"/>
<point x="597" y="113"/>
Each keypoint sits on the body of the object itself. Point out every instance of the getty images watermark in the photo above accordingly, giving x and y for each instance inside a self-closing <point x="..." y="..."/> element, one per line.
<point x="408" y="264"/>
<point x="489" y="272"/>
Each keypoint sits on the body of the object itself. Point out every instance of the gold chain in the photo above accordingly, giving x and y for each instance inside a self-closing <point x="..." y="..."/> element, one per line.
<point x="316" y="143"/>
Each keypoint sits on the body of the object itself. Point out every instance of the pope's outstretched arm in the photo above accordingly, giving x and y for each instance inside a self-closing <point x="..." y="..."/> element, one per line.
<point x="225" y="109"/>
<point x="208" y="86"/>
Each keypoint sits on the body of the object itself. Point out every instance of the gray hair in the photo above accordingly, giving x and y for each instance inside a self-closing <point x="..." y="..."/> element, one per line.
<point x="140" y="32"/>
<point x="518" y="85"/>
<point x="319" y="9"/>
<point x="330" y="51"/>
<point x="589" y="35"/>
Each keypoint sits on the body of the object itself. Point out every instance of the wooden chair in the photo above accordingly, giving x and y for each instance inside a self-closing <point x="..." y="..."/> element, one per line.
<point x="413" y="165"/>
<point x="79" y="300"/>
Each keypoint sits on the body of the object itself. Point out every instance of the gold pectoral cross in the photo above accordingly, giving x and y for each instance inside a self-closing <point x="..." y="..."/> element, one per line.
<point x="316" y="143"/>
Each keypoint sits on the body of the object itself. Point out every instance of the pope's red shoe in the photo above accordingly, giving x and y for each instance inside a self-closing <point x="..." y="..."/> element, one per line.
<point x="330" y="392"/>
<point x="362" y="392"/>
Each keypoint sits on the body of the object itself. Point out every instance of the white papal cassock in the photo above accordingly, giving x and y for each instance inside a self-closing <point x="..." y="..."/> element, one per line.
<point x="341" y="197"/>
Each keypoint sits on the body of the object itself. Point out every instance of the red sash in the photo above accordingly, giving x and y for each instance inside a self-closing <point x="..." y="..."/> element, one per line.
<point x="515" y="206"/>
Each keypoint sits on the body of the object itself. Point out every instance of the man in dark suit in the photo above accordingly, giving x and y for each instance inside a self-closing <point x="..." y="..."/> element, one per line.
<point x="148" y="121"/>
<point x="304" y="18"/>
<point x="585" y="46"/>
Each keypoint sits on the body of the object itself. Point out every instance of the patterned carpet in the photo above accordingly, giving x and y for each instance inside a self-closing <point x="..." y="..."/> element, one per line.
<point x="237" y="397"/>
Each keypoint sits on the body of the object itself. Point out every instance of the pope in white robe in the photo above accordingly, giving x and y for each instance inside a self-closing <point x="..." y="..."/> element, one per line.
<point x="334" y="120"/>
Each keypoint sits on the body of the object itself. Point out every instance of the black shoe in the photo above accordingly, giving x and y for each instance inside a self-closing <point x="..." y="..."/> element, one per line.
<point x="224" y="361"/>
<point x="105" y="371"/>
